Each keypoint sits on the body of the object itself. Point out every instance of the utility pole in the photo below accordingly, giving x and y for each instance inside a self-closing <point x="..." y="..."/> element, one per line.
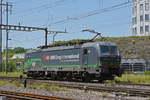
<point x="6" y="52"/>
<point x="55" y="33"/>
<point x="1" y="36"/>
<point x="46" y="32"/>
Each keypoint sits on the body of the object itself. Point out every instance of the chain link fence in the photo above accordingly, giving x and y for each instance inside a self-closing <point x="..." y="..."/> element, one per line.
<point x="135" y="65"/>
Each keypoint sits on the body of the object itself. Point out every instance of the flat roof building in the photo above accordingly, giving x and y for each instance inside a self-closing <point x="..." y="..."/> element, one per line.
<point x="140" y="17"/>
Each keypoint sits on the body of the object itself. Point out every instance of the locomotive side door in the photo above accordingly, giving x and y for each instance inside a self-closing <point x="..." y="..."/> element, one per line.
<point x="85" y="57"/>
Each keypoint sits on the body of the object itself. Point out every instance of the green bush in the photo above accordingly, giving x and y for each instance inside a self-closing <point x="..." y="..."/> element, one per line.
<point x="11" y="66"/>
<point x="147" y="73"/>
<point x="132" y="78"/>
<point x="12" y="74"/>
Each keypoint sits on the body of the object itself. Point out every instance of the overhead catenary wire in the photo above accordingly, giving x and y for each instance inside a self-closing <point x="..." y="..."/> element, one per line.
<point x="95" y="12"/>
<point x="41" y="7"/>
<point x="83" y="16"/>
<point x="21" y="1"/>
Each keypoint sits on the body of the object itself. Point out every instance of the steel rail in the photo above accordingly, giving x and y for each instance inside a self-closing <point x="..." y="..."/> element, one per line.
<point x="117" y="83"/>
<point x="28" y="96"/>
<point x="95" y="87"/>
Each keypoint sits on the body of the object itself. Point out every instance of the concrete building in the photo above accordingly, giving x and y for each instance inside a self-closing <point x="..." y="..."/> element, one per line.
<point x="140" y="17"/>
<point x="20" y="56"/>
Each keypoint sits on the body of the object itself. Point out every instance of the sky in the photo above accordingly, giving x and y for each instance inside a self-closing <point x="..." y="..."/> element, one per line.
<point x="72" y="15"/>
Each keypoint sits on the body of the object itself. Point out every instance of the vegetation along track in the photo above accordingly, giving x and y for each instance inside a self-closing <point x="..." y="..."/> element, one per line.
<point x="118" y="87"/>
<point x="26" y="96"/>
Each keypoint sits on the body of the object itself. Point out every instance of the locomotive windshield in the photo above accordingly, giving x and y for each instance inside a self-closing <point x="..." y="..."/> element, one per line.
<point x="107" y="50"/>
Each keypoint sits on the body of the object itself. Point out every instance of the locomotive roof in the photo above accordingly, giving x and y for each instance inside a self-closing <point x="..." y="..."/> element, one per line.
<point x="89" y="44"/>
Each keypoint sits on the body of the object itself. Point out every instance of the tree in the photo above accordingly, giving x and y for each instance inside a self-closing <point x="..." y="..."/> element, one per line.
<point x="10" y="68"/>
<point x="19" y="50"/>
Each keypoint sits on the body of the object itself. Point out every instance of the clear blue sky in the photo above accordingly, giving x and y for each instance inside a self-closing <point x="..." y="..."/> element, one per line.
<point x="45" y="13"/>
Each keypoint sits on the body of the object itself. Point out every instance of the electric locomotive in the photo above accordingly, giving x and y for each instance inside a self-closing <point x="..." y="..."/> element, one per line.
<point x="87" y="61"/>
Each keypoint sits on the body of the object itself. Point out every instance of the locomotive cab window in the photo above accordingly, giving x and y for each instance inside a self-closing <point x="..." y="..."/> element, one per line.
<point x="85" y="52"/>
<point x="109" y="50"/>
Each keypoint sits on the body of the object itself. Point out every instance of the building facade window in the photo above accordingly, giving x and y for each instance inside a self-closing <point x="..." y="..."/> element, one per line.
<point x="135" y="30"/>
<point x="141" y="7"/>
<point x="146" y="6"/>
<point x="135" y="20"/>
<point x="132" y="10"/>
<point x="141" y="18"/>
<point x="141" y="29"/>
<point x="146" y="0"/>
<point x="135" y="9"/>
<point x="134" y="1"/>
<point x="146" y="28"/>
<point x="146" y="17"/>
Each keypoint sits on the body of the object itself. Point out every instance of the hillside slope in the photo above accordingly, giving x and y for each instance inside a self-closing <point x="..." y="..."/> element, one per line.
<point x="130" y="47"/>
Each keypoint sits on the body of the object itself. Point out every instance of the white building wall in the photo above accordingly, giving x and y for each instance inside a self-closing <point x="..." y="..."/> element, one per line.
<point x="140" y="17"/>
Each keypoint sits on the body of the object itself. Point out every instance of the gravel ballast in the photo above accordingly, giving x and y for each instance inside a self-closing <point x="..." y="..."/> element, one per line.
<point x="72" y="93"/>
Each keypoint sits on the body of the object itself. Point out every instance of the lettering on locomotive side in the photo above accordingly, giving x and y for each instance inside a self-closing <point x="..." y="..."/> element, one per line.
<point x="46" y="58"/>
<point x="63" y="58"/>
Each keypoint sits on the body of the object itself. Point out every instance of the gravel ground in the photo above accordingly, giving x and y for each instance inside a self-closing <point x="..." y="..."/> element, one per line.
<point x="71" y="93"/>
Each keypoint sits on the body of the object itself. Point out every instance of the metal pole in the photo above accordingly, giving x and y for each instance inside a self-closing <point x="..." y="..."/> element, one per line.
<point x="1" y="36"/>
<point x="6" y="65"/>
<point x="46" y="32"/>
<point x="54" y="37"/>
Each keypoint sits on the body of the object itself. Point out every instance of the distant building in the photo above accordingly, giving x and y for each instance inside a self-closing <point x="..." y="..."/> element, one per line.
<point x="20" y="56"/>
<point x="141" y="17"/>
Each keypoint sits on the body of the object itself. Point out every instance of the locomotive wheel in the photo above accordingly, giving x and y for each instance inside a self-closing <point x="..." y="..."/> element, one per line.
<point x="69" y="77"/>
<point x="59" y="76"/>
<point x="54" y="77"/>
<point x="100" y="80"/>
<point x="86" y="77"/>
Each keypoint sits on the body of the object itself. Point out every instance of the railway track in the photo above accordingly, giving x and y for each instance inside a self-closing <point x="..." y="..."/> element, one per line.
<point x="95" y="83"/>
<point x="25" y="96"/>
<point x="96" y="86"/>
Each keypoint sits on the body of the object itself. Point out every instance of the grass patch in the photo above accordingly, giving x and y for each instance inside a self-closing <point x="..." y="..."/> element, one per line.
<point x="133" y="78"/>
<point x="12" y="74"/>
<point x="48" y="87"/>
<point x="110" y="83"/>
<point x="4" y="82"/>
<point x="18" y="84"/>
<point x="147" y="73"/>
<point x="104" y="94"/>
